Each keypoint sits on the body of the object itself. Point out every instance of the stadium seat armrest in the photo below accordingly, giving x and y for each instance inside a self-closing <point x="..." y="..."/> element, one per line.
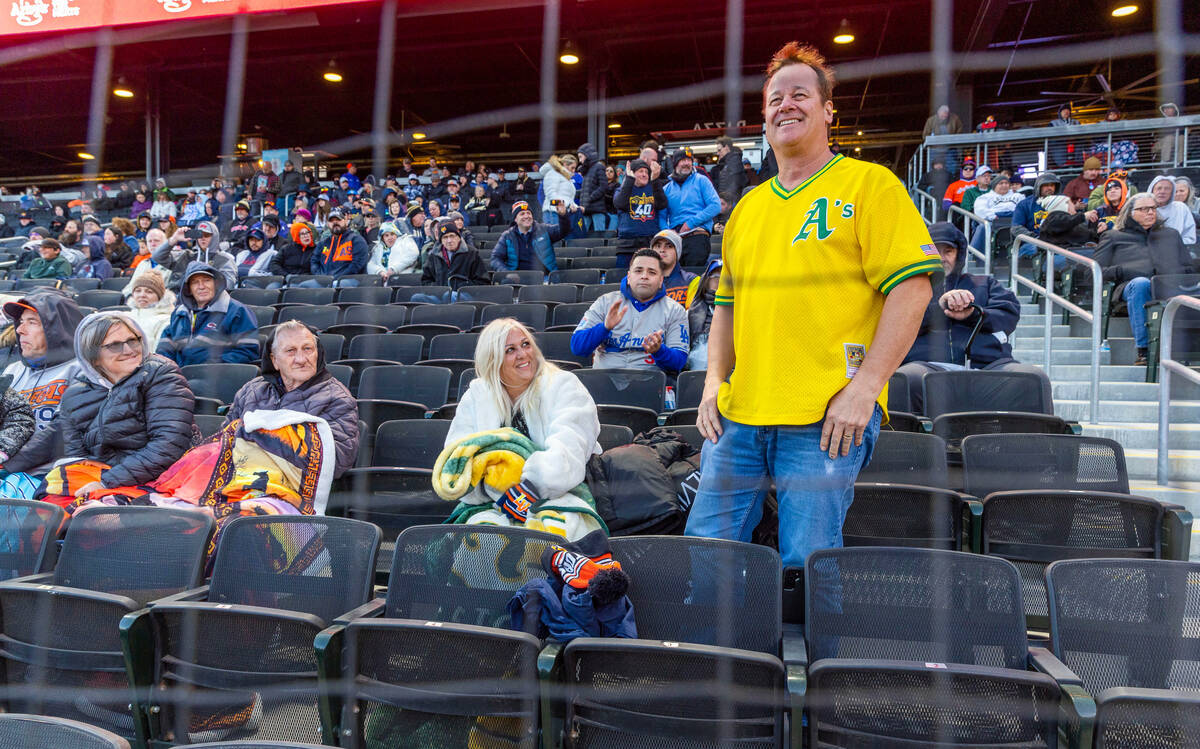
<point x="797" y="686"/>
<point x="371" y="609"/>
<point x="1177" y="532"/>
<point x="1077" y="721"/>
<point x="1041" y="659"/>
<point x="795" y="649"/>
<point x="550" y="684"/>
<point x="137" y="645"/>
<point x="328" y="645"/>
<point x="974" y="516"/>
<point x="41" y="578"/>
<point x="194" y="595"/>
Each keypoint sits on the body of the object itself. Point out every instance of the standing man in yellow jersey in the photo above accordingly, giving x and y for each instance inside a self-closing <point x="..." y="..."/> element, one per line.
<point x="825" y="280"/>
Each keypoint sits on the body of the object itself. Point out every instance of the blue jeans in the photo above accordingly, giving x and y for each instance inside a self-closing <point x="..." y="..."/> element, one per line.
<point x="814" y="492"/>
<point x="1136" y="293"/>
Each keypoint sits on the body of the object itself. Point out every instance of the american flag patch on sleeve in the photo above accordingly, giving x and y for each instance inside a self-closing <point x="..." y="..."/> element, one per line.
<point x="929" y="249"/>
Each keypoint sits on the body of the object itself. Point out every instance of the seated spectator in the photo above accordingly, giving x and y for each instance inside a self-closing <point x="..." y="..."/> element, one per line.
<point x="44" y="322"/>
<point x="343" y="253"/>
<point x="1139" y="247"/>
<point x="477" y="207"/>
<point x="1108" y="200"/>
<point x="162" y="206"/>
<point x="668" y="244"/>
<point x="240" y="224"/>
<point x="954" y="193"/>
<point x="295" y="257"/>
<point x="209" y="325"/>
<point x="451" y="264"/>
<point x="151" y="305"/>
<point x="16" y="427"/>
<point x="179" y="252"/>
<point x="256" y="259"/>
<point x="982" y="186"/>
<point x="1064" y="226"/>
<point x="701" y="299"/>
<point x="125" y="419"/>
<point x="949" y="319"/>
<point x="637" y="326"/>
<point x="529" y="245"/>
<point x="140" y="205"/>
<point x="393" y="253"/>
<point x="996" y="205"/>
<point x="1185" y="192"/>
<point x="93" y="227"/>
<point x="294" y="378"/>
<point x="1174" y="215"/>
<point x="50" y="263"/>
<point x="24" y="224"/>
<point x="97" y="265"/>
<point x="1027" y="216"/>
<point x="1080" y="188"/>
<point x="116" y="250"/>
<point x="516" y="387"/>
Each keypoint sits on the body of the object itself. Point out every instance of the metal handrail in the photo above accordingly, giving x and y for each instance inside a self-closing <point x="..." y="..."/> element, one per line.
<point x="921" y="196"/>
<point x="968" y="217"/>
<point x="1166" y="366"/>
<point x="1094" y="317"/>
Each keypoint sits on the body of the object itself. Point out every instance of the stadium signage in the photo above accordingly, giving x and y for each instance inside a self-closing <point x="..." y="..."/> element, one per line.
<point x="39" y="16"/>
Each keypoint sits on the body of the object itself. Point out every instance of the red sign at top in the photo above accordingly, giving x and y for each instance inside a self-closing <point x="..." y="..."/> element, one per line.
<point x="35" y="16"/>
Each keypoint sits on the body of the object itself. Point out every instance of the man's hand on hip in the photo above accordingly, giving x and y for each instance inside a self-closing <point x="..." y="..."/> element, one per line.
<point x="846" y="418"/>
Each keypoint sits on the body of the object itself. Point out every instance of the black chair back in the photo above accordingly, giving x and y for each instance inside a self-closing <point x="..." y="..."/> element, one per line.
<point x="1004" y="462"/>
<point x="977" y="390"/>
<point x="643" y="388"/>
<point x="31" y="530"/>
<point x="410" y="443"/>
<point x="908" y="458"/>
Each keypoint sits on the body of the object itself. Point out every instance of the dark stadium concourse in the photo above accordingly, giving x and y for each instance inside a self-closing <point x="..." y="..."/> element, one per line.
<point x="468" y="58"/>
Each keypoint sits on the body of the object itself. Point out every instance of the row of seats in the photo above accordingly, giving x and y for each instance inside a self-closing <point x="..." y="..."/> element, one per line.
<point x="897" y="646"/>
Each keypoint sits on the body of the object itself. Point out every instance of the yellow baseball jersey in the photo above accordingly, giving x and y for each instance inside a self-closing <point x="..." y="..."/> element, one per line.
<point x="806" y="272"/>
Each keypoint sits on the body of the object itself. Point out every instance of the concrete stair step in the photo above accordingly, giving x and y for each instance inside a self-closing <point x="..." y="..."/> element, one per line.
<point x="1146" y="412"/>
<point x="1060" y="356"/>
<point x="1057" y="343"/>
<point x="1184" y="465"/>
<point x="1145" y="436"/>
<point x="1113" y="391"/>
<point x="1108" y="373"/>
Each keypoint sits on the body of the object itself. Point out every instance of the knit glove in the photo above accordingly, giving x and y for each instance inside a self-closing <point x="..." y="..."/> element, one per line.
<point x="517" y="501"/>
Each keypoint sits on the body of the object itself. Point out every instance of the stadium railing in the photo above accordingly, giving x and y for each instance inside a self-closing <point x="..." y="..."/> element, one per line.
<point x="1037" y="145"/>
<point x="1167" y="367"/>
<point x="1095" y="316"/>
<point x="928" y="207"/>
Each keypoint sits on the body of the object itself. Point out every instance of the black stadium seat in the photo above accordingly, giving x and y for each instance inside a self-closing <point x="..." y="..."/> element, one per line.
<point x="389" y="316"/>
<point x="319" y="317"/>
<point x="428" y="386"/>
<point x="397" y="347"/>
<point x="410" y="443"/>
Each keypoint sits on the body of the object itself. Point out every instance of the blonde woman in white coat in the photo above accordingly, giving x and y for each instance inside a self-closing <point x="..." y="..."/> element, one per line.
<point x="395" y="252"/>
<point x="557" y="183"/>
<point x="516" y="387"/>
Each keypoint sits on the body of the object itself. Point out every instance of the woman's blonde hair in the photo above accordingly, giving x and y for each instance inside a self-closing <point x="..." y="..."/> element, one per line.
<point x="489" y="355"/>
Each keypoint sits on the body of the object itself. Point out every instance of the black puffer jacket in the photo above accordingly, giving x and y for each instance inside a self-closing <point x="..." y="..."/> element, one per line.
<point x="139" y="426"/>
<point x="323" y="395"/>
<point x="595" y="183"/>
<point x="1134" y="252"/>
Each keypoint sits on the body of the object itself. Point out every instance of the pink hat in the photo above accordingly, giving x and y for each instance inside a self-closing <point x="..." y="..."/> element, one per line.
<point x="304" y="214"/>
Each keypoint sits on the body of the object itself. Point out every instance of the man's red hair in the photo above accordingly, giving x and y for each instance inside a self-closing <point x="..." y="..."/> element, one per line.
<point x="795" y="53"/>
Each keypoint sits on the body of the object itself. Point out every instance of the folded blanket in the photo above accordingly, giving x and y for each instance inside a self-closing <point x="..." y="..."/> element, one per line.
<point x="493" y="460"/>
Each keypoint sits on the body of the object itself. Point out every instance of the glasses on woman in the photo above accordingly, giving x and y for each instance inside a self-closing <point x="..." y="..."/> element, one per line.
<point x="115" y="348"/>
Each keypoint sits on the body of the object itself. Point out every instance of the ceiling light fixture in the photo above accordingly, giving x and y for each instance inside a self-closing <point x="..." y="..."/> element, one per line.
<point x="85" y="156"/>
<point x="1124" y="10"/>
<point x="569" y="55"/>
<point x="844" y="34"/>
<point x="122" y="89"/>
<point x="332" y="74"/>
<point x="504" y="132"/>
<point x="614" y="126"/>
<point x="859" y="132"/>
<point x="419" y="136"/>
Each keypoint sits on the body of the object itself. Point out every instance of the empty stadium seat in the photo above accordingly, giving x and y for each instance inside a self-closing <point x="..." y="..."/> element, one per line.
<point x="218" y="380"/>
<point x="308" y="296"/>
<point x="519" y="277"/>
<point x="461" y="316"/>
<point x="31" y="529"/>
<point x="350" y="331"/>
<point x="256" y="297"/>
<point x="389" y="316"/>
<point x="978" y="390"/>
<point x="98" y="298"/>
<point x="397" y="347"/>
<point x="532" y="316"/>
<point x="614" y="435"/>
<point x="643" y="388"/>
<point x="502" y="294"/>
<point x="364" y="295"/>
<point x="428" y="386"/>
<point x="319" y="317"/>
<point x="410" y="443"/>
<point x="453" y="346"/>
<point x="908" y="458"/>
<point x="551" y="294"/>
<point x="17" y="730"/>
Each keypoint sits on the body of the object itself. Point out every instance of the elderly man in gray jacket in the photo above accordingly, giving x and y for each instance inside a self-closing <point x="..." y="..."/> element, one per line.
<point x="295" y="378"/>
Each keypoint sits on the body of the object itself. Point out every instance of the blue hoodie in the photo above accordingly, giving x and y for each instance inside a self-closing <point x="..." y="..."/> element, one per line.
<point x="693" y="202"/>
<point x="224" y="330"/>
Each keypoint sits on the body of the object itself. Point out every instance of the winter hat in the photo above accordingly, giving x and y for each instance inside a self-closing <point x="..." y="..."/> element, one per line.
<point x="152" y="280"/>
<point x="454" y="214"/>
<point x="637" y="164"/>
<point x="271" y="220"/>
<point x="304" y="214"/>
<point x="447" y="226"/>
<point x="337" y="213"/>
<point x="388" y="227"/>
<point x="89" y="218"/>
<point x="413" y="210"/>
<point x="985" y="169"/>
<point x="1055" y="203"/>
<point x="1091" y="162"/>
<point x="671" y="236"/>
<point x="413" y="178"/>
<point x="588" y="564"/>
<point x="519" y="206"/>
<point x="242" y="204"/>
